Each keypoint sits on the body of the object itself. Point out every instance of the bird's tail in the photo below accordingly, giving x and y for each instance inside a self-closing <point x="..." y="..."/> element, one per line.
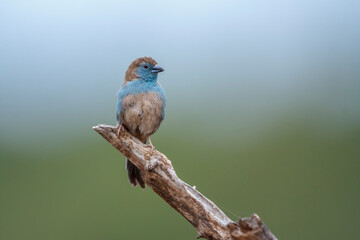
<point x="134" y="174"/>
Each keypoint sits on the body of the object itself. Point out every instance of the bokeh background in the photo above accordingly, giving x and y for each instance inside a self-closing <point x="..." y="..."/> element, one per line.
<point x="263" y="115"/>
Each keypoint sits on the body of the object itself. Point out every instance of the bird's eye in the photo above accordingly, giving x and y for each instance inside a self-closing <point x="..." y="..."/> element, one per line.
<point x="146" y="67"/>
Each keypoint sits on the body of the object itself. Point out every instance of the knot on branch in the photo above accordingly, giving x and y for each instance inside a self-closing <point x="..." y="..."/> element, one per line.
<point x="250" y="228"/>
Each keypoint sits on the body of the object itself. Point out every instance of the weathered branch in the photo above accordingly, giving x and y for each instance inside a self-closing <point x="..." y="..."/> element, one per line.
<point x="158" y="173"/>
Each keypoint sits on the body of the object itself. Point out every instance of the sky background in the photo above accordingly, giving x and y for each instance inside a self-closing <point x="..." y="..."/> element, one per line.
<point x="263" y="114"/>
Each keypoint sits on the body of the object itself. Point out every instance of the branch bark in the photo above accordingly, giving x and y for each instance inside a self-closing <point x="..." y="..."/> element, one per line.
<point x="158" y="173"/>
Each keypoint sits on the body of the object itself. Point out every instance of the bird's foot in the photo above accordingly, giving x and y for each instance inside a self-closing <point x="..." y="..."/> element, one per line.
<point x="119" y="128"/>
<point x="152" y="148"/>
<point x="150" y="145"/>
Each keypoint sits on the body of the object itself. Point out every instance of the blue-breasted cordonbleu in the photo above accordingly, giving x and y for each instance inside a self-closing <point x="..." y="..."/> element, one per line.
<point x="140" y="106"/>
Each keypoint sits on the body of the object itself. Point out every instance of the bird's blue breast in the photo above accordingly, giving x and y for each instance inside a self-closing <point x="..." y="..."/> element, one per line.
<point x="136" y="87"/>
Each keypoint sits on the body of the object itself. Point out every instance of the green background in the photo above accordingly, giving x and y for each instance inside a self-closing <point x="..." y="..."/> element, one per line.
<point x="263" y="115"/>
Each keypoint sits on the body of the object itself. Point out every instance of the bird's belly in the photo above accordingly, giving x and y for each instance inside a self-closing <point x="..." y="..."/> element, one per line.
<point x="142" y="113"/>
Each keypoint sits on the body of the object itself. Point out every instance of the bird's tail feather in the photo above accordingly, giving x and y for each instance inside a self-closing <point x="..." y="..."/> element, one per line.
<point x="134" y="174"/>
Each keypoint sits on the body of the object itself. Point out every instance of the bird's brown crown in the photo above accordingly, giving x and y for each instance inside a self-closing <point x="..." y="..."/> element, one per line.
<point x="131" y="71"/>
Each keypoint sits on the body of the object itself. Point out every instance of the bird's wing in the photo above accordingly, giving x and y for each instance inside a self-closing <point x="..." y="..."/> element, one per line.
<point x="123" y="92"/>
<point x="118" y="110"/>
<point x="162" y="95"/>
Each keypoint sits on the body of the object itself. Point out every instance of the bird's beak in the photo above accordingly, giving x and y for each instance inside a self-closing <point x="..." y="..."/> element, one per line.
<point x="157" y="69"/>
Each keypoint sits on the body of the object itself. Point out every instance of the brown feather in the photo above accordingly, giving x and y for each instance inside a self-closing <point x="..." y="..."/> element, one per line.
<point x="142" y="114"/>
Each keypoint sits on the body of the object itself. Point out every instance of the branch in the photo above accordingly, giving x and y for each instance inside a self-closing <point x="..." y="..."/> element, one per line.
<point x="158" y="173"/>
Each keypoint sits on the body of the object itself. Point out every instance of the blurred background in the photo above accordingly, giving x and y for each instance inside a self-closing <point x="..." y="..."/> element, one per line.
<point x="263" y="115"/>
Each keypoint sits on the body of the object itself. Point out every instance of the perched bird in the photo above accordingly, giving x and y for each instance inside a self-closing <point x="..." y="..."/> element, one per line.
<point x="140" y="106"/>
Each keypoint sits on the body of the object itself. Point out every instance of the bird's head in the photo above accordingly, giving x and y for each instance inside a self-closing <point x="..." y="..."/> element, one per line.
<point x="144" y="68"/>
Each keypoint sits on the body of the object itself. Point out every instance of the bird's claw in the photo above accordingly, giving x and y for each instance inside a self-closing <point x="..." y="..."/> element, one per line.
<point x="119" y="128"/>
<point x="150" y="145"/>
<point x="152" y="148"/>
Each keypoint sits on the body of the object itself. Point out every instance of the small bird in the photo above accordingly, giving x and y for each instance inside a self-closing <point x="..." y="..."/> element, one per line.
<point x="140" y="106"/>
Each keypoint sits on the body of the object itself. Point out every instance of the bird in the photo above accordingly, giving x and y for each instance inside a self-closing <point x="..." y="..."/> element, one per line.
<point x="140" y="107"/>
